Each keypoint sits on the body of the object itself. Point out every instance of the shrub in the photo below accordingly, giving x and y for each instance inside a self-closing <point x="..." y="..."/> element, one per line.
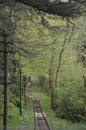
<point x="15" y="101"/>
<point x="71" y="104"/>
<point x="13" y="111"/>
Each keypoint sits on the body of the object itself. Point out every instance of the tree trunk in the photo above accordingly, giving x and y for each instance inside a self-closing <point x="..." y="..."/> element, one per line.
<point x="53" y="98"/>
<point x="20" y="93"/>
<point x="25" y="96"/>
<point x="61" y="54"/>
<point x="84" y="77"/>
<point x="51" y="86"/>
<point x="5" y="120"/>
<point x="59" y="64"/>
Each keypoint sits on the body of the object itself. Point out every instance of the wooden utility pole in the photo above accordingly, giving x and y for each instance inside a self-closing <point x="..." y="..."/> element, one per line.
<point x="5" y="80"/>
<point x="20" y="92"/>
<point x="5" y="120"/>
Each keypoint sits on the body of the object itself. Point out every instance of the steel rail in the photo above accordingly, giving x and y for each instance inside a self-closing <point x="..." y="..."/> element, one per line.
<point x="40" y="121"/>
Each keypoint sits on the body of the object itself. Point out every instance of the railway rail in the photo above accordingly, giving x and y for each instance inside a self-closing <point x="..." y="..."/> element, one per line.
<point x="40" y="121"/>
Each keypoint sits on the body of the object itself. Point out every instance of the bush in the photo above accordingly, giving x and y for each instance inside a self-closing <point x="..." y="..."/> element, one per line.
<point x="71" y="104"/>
<point x="13" y="111"/>
<point x="15" y="101"/>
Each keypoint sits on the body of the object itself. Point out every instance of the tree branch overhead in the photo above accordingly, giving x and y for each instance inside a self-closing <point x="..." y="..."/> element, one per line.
<point x="65" y="8"/>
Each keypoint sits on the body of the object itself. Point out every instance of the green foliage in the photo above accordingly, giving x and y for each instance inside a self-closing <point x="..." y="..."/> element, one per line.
<point x="36" y="35"/>
<point x="71" y="103"/>
<point x="21" y="122"/>
<point x="54" y="121"/>
<point x="15" y="101"/>
<point x="12" y="110"/>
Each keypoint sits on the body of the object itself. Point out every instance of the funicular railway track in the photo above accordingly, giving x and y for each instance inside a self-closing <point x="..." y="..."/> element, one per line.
<point x="40" y="122"/>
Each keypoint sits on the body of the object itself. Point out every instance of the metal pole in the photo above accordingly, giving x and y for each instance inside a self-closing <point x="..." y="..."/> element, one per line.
<point x="25" y="84"/>
<point x="20" y="93"/>
<point x="5" y="119"/>
<point x="25" y="95"/>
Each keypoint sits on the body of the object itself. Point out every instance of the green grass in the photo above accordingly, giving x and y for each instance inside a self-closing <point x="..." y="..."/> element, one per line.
<point x="54" y="122"/>
<point x="35" y="91"/>
<point x="16" y="121"/>
<point x="24" y="121"/>
<point x="27" y="119"/>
